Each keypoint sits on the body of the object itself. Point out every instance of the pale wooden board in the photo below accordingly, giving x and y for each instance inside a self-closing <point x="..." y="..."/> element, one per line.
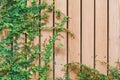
<point x="74" y="25"/>
<point x="46" y="35"/>
<point x="61" y="52"/>
<point x="114" y="32"/>
<point x="28" y="3"/>
<point x="88" y="32"/>
<point x="21" y="42"/>
<point x="34" y="43"/>
<point x="26" y="39"/>
<point x="4" y="32"/>
<point x="101" y="35"/>
<point x="36" y="61"/>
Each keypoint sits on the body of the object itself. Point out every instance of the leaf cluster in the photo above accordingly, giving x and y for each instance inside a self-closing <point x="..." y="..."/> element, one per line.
<point x="84" y="72"/>
<point x="17" y="58"/>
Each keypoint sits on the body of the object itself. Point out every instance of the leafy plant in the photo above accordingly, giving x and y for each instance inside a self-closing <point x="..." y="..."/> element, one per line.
<point x="86" y="73"/>
<point x="17" y="58"/>
<point x="16" y="62"/>
<point x="114" y="73"/>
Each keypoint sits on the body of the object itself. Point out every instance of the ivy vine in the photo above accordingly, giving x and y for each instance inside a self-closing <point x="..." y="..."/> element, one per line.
<point x="16" y="19"/>
<point x="17" y="58"/>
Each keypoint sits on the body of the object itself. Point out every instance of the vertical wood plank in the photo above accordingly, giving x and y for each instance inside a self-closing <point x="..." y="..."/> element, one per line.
<point x="36" y="61"/>
<point x="21" y="42"/>
<point x="61" y="52"/>
<point x="114" y="32"/>
<point x="36" y="43"/>
<point x="46" y="35"/>
<point x="88" y="33"/>
<point x="101" y="35"/>
<point x="74" y="25"/>
<point x="28" y="3"/>
<point x="27" y="40"/>
<point x="33" y="43"/>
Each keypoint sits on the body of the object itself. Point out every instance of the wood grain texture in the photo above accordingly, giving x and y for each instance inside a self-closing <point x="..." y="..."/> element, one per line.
<point x="81" y="48"/>
<point x="74" y="9"/>
<point x="88" y="32"/>
<point x="61" y="52"/>
<point x="46" y="35"/>
<point x="36" y="43"/>
<point x="101" y="35"/>
<point x="114" y="32"/>
<point x="36" y="61"/>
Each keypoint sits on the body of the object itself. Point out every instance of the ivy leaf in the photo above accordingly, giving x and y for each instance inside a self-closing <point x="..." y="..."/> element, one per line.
<point x="32" y="1"/>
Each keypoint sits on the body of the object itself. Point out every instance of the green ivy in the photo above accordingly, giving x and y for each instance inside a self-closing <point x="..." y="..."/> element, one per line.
<point x="84" y="72"/>
<point x="17" y="62"/>
<point x="19" y="19"/>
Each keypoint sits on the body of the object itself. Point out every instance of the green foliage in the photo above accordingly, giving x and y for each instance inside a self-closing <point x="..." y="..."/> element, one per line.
<point x="17" y="62"/>
<point x="19" y="19"/>
<point x="114" y="73"/>
<point x="90" y="74"/>
<point x="86" y="73"/>
<point x="66" y="77"/>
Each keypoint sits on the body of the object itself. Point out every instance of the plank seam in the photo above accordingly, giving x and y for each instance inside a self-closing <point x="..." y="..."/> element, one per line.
<point x="67" y="33"/>
<point x="107" y="36"/>
<point x="81" y="34"/>
<point x="53" y="43"/>
<point x="94" y="32"/>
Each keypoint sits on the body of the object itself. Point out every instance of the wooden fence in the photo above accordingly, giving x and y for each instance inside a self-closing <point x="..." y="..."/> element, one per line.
<point x="96" y="26"/>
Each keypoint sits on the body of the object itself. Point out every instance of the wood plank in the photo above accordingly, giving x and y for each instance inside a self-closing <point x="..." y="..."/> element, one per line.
<point x="36" y="61"/>
<point x="35" y="42"/>
<point x="88" y="33"/>
<point x="27" y="40"/>
<point x="46" y="35"/>
<point x="114" y="32"/>
<point x="74" y="25"/>
<point x="101" y="35"/>
<point x="61" y="52"/>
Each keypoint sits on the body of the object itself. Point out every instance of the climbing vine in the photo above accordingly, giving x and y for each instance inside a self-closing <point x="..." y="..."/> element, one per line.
<point x="16" y="19"/>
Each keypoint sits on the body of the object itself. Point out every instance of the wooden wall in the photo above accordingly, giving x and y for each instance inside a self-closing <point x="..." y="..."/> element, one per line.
<point x="96" y="26"/>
